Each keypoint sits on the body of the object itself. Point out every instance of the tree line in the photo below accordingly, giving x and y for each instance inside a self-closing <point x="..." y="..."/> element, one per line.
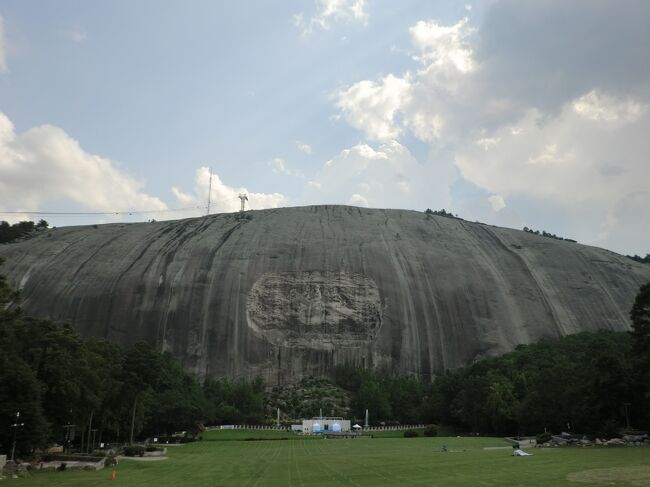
<point x="61" y="383"/>
<point x="544" y="233"/>
<point x="25" y="229"/>
<point x="582" y="383"/>
<point x="588" y="382"/>
<point x="638" y="258"/>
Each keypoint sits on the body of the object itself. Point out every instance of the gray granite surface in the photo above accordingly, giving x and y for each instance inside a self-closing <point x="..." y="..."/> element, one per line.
<point x="287" y="293"/>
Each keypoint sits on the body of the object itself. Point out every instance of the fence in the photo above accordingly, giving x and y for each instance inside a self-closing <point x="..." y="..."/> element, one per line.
<point x="401" y="427"/>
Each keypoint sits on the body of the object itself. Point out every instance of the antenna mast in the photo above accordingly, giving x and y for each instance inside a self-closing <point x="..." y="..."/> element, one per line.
<point x="209" y="192"/>
<point x="243" y="197"/>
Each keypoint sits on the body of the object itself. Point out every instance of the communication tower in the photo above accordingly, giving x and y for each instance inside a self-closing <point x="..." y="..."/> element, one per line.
<point x="209" y="192"/>
<point x="244" y="198"/>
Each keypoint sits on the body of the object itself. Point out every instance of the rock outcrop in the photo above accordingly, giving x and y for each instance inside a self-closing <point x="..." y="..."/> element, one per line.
<point x="288" y="293"/>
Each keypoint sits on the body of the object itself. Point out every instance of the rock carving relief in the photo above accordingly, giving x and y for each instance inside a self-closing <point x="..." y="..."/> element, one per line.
<point x="315" y="308"/>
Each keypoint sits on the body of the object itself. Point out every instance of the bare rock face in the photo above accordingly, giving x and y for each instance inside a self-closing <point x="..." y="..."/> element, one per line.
<point x="293" y="292"/>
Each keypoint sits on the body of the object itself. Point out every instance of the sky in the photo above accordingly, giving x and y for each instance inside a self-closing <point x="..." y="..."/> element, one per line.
<point x="512" y="113"/>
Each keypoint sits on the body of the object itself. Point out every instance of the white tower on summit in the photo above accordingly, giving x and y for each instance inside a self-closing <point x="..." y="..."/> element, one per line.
<point x="243" y="197"/>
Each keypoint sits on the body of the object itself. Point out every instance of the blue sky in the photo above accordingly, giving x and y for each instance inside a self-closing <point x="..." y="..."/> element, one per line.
<point x="512" y="113"/>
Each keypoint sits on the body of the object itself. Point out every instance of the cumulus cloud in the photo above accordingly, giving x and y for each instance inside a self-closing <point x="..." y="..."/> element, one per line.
<point x="430" y="100"/>
<point x="357" y="200"/>
<point x="371" y="106"/>
<point x="606" y="109"/>
<point x="586" y="164"/>
<point x="566" y="158"/>
<point x="545" y="105"/>
<point x="3" y="47"/>
<point x="225" y="198"/>
<point x="45" y="166"/>
<point x="385" y="176"/>
<point x="304" y="148"/>
<point x="497" y="202"/>
<point x="331" y="11"/>
<point x="443" y="45"/>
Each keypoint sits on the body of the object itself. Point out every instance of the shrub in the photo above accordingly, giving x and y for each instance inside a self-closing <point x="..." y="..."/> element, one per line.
<point x="543" y="437"/>
<point x="111" y="460"/>
<point x="153" y="448"/>
<point x="610" y="430"/>
<point x="431" y="430"/>
<point x="411" y="434"/>
<point x="134" y="451"/>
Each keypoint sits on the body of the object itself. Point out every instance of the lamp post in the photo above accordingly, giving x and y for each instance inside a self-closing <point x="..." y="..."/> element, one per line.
<point x="15" y="426"/>
<point x="627" y="414"/>
<point x="69" y="433"/>
<point x="92" y="447"/>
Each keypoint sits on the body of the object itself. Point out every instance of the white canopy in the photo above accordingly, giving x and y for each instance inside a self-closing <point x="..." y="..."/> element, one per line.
<point x="356" y="426"/>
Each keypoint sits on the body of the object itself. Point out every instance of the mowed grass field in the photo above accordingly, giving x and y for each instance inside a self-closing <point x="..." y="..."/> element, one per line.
<point x="223" y="458"/>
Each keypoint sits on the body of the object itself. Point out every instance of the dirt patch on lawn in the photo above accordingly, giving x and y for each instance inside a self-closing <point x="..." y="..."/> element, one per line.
<point x="634" y="476"/>
<point x="143" y="459"/>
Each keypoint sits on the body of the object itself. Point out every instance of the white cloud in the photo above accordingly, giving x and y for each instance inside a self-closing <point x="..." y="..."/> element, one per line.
<point x="371" y="107"/>
<point x="429" y="101"/>
<point x="443" y="45"/>
<point x="386" y="176"/>
<point x="330" y="11"/>
<point x="487" y="143"/>
<point x="549" y="154"/>
<point x="497" y="202"/>
<point x="562" y="139"/>
<point x="358" y="200"/>
<point x="426" y="126"/>
<point x="304" y="148"/>
<point x="44" y="166"/>
<point x="224" y="198"/>
<point x="278" y="166"/>
<point x="313" y="185"/>
<point x="3" y="47"/>
<point x="606" y="109"/>
<point x="568" y="160"/>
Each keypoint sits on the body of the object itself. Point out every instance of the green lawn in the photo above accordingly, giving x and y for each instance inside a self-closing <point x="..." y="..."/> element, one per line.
<point x="371" y="462"/>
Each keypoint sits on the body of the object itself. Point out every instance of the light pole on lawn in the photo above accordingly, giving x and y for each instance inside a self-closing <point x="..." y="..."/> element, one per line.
<point x="92" y="448"/>
<point x="15" y="426"/>
<point x="627" y="414"/>
<point x="69" y="432"/>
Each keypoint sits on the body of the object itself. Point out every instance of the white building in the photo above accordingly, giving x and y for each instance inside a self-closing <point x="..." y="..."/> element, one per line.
<point x="325" y="425"/>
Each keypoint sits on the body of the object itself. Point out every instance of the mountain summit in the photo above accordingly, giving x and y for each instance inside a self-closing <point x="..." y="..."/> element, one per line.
<point x="292" y="292"/>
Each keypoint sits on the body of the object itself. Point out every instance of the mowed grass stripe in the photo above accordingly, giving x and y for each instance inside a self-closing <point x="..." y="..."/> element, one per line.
<point x="334" y="468"/>
<point x="318" y="471"/>
<point x="374" y="462"/>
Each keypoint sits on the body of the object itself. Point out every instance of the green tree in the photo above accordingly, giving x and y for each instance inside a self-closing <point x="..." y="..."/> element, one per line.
<point x="640" y="315"/>
<point x="20" y="390"/>
<point x="372" y="396"/>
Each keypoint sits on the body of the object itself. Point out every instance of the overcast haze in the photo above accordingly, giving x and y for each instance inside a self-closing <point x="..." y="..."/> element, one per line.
<point x="512" y="113"/>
